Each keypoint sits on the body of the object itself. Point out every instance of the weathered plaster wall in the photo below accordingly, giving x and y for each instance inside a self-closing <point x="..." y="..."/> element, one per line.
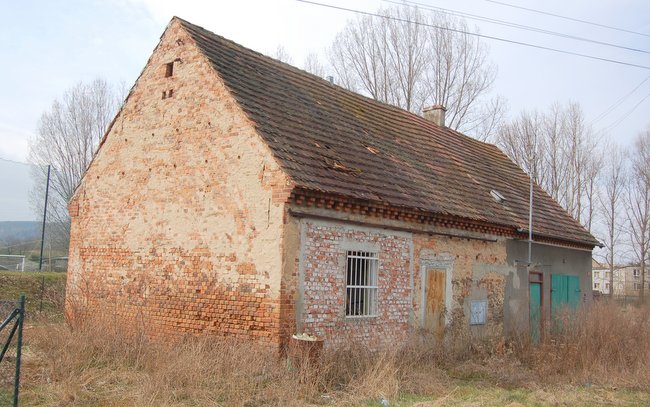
<point x="178" y="222"/>
<point x="549" y="260"/>
<point x="479" y="272"/>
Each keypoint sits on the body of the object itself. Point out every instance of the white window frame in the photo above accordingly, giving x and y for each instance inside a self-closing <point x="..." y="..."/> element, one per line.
<point x="361" y="283"/>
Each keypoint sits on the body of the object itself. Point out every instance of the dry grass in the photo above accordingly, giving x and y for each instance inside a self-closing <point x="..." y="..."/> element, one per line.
<point x="100" y="365"/>
<point x="608" y="346"/>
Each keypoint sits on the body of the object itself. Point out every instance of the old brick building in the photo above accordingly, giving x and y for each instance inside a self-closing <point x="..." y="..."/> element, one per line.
<point x="237" y="195"/>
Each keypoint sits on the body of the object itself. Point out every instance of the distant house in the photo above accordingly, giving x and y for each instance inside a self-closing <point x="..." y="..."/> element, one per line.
<point x="600" y="274"/>
<point x="237" y="195"/>
<point x="627" y="280"/>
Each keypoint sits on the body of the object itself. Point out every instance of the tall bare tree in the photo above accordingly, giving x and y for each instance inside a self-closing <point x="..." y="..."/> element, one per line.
<point x="638" y="204"/>
<point x="281" y="54"/>
<point x="521" y="139"/>
<point x="566" y="161"/>
<point x="412" y="60"/>
<point x="313" y="65"/>
<point x="68" y="134"/>
<point x="611" y="196"/>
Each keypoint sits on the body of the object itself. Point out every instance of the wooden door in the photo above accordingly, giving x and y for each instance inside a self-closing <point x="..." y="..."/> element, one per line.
<point x="434" y="301"/>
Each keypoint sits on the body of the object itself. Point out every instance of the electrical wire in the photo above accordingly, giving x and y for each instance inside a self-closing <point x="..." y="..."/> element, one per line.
<point x="568" y="18"/>
<point x="512" y="24"/>
<point x="618" y="102"/>
<point x="489" y="37"/>
<point x="14" y="161"/>
<point x="613" y="125"/>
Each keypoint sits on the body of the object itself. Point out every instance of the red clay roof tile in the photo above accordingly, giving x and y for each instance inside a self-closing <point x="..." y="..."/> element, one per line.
<point x="332" y="140"/>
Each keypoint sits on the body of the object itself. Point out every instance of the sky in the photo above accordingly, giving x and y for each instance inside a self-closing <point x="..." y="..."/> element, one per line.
<point x="49" y="46"/>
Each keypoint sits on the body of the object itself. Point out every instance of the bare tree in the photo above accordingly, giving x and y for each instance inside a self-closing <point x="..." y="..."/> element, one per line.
<point x="638" y="204"/>
<point x="582" y="157"/>
<point x="611" y="200"/>
<point x="313" y="65"/>
<point x="566" y="161"/>
<point x="281" y="54"/>
<point x="521" y="140"/>
<point x="412" y="60"/>
<point x="67" y="137"/>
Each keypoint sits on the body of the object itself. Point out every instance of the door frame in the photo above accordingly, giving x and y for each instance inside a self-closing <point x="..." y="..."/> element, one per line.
<point x="445" y="263"/>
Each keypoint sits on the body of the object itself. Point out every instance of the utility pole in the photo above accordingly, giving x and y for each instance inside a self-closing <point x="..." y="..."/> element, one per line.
<point x="47" y="190"/>
<point x="532" y="173"/>
<point x="530" y="224"/>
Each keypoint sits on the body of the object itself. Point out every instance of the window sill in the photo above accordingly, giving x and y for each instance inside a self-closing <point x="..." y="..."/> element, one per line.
<point x="360" y="317"/>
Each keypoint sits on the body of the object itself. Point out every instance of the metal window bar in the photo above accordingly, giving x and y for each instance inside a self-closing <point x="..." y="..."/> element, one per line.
<point x="361" y="284"/>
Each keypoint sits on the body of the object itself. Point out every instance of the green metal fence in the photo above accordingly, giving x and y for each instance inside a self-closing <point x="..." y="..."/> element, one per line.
<point x="14" y="324"/>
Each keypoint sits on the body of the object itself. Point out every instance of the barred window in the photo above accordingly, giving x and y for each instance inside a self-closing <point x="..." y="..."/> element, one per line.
<point x="361" y="284"/>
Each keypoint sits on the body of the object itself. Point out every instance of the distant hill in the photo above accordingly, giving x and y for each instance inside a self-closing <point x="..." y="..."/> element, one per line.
<point x="21" y="231"/>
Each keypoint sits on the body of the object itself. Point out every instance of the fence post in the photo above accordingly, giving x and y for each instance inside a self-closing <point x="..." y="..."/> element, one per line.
<point x="19" y="346"/>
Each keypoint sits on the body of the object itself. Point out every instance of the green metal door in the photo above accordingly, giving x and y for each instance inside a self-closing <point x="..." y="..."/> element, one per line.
<point x="573" y="292"/>
<point x="565" y="293"/>
<point x="535" y="311"/>
<point x="558" y="294"/>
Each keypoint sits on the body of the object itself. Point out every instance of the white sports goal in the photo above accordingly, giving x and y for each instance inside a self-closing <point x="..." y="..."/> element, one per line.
<point x="12" y="262"/>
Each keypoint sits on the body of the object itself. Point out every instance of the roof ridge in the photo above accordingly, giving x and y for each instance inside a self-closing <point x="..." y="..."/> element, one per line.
<point x="330" y="139"/>
<point x="323" y="81"/>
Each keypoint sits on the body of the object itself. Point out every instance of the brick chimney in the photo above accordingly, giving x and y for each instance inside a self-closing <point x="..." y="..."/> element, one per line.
<point x="436" y="114"/>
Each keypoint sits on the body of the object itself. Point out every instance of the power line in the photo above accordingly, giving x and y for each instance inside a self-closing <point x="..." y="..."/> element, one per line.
<point x="626" y="115"/>
<point x="14" y="161"/>
<point x="513" y="25"/>
<point x="568" y="18"/>
<point x="618" y="102"/>
<point x="489" y="37"/>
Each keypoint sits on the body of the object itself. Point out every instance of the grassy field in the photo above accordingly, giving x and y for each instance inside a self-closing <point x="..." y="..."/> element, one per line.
<point x="601" y="361"/>
<point x="44" y="294"/>
<point x="50" y="287"/>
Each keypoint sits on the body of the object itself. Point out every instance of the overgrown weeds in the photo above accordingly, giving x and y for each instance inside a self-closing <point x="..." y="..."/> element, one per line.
<point x="100" y="364"/>
<point x="605" y="344"/>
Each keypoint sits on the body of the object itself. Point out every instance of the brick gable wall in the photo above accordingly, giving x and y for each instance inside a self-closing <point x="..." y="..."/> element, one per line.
<point x="176" y="224"/>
